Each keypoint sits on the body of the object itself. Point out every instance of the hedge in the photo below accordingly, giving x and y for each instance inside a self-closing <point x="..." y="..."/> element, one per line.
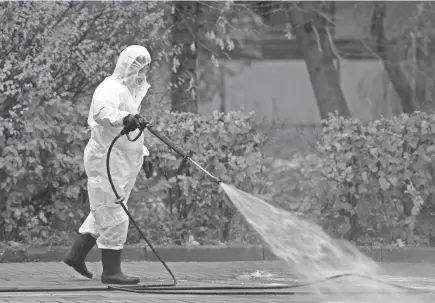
<point x="374" y="178"/>
<point x="370" y="182"/>
<point x="43" y="184"/>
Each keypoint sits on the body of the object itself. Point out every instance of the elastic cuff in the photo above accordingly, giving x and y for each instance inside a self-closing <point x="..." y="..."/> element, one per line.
<point x="90" y="234"/>
<point x="99" y="246"/>
<point x="145" y="151"/>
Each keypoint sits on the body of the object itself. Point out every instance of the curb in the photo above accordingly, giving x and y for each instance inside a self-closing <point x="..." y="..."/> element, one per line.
<point x="210" y="253"/>
<point x="409" y="254"/>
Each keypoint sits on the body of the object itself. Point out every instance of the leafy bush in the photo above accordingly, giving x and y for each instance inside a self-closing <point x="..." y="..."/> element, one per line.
<point x="42" y="175"/>
<point x="377" y="178"/>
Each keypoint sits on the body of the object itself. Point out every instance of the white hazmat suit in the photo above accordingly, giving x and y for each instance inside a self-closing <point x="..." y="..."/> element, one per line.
<point x="115" y="98"/>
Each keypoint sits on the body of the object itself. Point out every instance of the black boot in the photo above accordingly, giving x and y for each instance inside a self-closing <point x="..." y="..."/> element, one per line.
<point x="78" y="252"/>
<point x="112" y="273"/>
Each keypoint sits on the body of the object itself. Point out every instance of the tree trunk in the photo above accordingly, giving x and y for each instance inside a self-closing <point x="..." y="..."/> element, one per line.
<point x="391" y="60"/>
<point x="313" y="35"/>
<point x="185" y="32"/>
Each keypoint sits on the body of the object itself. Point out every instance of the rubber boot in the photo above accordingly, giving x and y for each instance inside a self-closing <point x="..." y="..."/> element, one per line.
<point x="78" y="252"/>
<point x="112" y="273"/>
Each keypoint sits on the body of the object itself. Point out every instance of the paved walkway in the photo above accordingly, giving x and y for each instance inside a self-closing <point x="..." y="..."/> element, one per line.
<point x="57" y="275"/>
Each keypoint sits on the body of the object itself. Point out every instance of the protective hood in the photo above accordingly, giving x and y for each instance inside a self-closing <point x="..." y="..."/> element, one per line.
<point x="131" y="70"/>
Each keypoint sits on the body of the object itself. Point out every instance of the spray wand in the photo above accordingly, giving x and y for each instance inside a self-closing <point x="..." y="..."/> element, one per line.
<point x="175" y="148"/>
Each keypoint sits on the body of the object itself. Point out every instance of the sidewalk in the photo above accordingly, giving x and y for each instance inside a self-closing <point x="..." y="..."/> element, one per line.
<point x="58" y="275"/>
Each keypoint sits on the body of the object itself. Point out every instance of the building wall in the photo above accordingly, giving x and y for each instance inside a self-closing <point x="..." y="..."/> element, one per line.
<point x="281" y="89"/>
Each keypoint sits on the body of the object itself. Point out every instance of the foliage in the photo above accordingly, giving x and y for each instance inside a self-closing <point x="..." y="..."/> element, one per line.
<point x="376" y="178"/>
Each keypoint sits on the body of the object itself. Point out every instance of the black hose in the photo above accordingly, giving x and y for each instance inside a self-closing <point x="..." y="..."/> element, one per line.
<point x="282" y="289"/>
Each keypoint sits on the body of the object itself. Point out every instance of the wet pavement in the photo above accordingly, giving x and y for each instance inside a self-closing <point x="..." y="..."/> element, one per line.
<point x="66" y="286"/>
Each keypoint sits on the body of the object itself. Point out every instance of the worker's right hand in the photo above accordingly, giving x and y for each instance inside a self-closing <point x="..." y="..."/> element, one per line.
<point x="131" y="123"/>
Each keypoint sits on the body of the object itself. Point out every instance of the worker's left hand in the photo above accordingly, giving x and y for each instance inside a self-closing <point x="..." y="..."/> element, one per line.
<point x="148" y="167"/>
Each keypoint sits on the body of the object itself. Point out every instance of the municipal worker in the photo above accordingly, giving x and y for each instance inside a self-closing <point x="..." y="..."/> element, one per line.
<point x="115" y="105"/>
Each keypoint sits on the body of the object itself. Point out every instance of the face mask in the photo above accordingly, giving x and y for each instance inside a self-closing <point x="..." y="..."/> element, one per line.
<point x="131" y="70"/>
